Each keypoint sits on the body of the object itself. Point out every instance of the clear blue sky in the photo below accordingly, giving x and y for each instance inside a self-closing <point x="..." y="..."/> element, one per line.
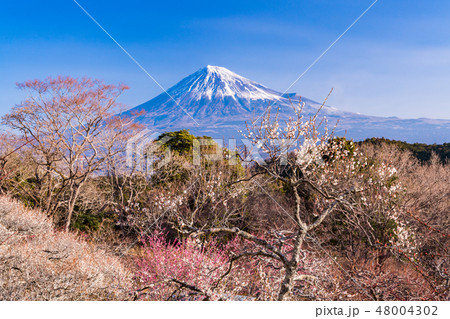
<point x="394" y="62"/>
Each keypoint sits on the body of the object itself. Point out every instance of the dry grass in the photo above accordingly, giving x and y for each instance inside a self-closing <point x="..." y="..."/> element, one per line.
<point x="40" y="263"/>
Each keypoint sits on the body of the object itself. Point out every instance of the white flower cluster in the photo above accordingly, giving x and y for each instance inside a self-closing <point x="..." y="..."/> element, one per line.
<point x="309" y="152"/>
<point x="164" y="202"/>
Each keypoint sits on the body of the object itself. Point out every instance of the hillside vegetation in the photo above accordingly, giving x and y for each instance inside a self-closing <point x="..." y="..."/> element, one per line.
<point x="421" y="151"/>
<point x="101" y="212"/>
<point x="38" y="262"/>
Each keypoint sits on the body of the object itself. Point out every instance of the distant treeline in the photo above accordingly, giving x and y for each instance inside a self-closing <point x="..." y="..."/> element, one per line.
<point x="419" y="150"/>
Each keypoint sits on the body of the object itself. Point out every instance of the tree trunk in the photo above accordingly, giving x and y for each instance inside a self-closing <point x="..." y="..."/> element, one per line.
<point x="291" y="269"/>
<point x="287" y="282"/>
<point x="74" y="192"/>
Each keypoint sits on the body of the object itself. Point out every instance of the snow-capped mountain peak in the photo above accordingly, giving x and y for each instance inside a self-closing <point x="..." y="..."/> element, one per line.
<point x="215" y="82"/>
<point x="221" y="101"/>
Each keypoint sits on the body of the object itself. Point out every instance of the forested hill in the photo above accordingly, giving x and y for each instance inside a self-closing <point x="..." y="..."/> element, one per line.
<point x="421" y="151"/>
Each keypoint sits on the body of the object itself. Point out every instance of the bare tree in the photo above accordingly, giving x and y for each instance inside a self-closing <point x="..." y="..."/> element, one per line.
<point x="72" y="130"/>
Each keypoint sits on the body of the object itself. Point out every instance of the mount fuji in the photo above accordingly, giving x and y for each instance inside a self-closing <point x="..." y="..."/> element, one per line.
<point x="216" y="102"/>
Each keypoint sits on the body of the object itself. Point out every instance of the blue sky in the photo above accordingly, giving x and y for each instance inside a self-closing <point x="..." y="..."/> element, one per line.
<point x="394" y="62"/>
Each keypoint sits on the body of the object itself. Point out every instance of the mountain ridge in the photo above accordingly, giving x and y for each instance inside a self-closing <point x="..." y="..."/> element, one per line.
<point x="221" y="101"/>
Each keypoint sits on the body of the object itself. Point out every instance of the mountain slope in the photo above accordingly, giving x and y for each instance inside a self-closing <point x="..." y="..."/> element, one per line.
<point x="215" y="101"/>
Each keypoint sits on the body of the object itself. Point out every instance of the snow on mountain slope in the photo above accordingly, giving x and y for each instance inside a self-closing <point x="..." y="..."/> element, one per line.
<point x="221" y="101"/>
<point x="215" y="82"/>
